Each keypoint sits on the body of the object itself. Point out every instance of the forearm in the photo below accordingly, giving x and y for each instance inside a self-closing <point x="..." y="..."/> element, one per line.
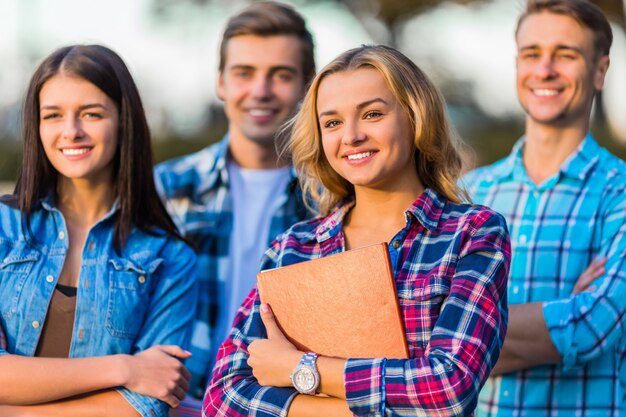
<point x="100" y="404"/>
<point x="311" y="406"/>
<point x="332" y="376"/>
<point x="527" y="343"/>
<point x="27" y="380"/>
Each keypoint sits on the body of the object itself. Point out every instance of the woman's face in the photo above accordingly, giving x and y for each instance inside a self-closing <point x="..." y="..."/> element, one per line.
<point x="78" y="127"/>
<point x="366" y="134"/>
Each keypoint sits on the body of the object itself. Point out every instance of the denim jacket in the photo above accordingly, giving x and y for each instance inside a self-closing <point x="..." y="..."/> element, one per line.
<point x="125" y="303"/>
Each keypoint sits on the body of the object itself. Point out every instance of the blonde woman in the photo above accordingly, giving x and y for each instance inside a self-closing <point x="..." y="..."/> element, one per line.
<point x="374" y="151"/>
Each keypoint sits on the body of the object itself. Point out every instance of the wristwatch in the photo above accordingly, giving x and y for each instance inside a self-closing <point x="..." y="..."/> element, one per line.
<point x="305" y="377"/>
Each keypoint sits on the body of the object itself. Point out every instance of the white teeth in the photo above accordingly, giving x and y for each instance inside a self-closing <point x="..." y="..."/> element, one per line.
<point x="357" y="156"/>
<point x="545" y="92"/>
<point x="78" y="151"/>
<point x="260" y="112"/>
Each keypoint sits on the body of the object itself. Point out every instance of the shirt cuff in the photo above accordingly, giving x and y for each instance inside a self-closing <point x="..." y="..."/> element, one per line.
<point x="145" y="405"/>
<point x="557" y="315"/>
<point x="364" y="385"/>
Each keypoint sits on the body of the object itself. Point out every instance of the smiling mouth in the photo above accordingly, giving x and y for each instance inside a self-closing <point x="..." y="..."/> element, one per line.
<point x="76" y="151"/>
<point x="357" y="156"/>
<point x="260" y="112"/>
<point x="545" y="92"/>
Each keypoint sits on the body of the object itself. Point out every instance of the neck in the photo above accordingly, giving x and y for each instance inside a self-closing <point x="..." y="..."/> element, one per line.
<point x="547" y="147"/>
<point x="83" y="203"/>
<point x="253" y="155"/>
<point x="387" y="207"/>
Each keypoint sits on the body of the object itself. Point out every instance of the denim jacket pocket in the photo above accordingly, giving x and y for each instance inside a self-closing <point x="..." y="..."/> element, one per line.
<point x="421" y="301"/>
<point x="129" y="296"/>
<point x="16" y="262"/>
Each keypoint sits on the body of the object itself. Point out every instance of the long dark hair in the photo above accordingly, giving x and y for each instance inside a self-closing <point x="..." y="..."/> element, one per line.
<point x="133" y="181"/>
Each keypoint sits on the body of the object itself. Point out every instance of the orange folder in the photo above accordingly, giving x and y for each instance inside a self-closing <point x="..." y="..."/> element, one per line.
<point x="344" y="305"/>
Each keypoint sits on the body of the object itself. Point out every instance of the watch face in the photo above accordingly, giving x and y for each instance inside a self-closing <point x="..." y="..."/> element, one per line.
<point x="304" y="379"/>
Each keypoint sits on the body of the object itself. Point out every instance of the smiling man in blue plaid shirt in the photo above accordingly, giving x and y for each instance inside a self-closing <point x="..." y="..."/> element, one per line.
<point x="232" y="198"/>
<point x="564" y="198"/>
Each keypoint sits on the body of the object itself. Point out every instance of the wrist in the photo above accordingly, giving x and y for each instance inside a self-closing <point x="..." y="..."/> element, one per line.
<point x="122" y="370"/>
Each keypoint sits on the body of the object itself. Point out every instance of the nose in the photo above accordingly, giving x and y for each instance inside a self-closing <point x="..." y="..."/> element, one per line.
<point x="72" y="129"/>
<point x="545" y="67"/>
<point x="262" y="87"/>
<point x="353" y="135"/>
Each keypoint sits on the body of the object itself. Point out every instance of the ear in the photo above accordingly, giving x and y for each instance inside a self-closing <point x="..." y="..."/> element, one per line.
<point x="220" y="85"/>
<point x="601" y="67"/>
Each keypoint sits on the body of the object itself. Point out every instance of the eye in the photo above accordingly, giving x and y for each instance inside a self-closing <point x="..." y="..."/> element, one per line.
<point x="92" y="115"/>
<point x="567" y="56"/>
<point x="529" y="55"/>
<point x="372" y="114"/>
<point x="50" y="116"/>
<point x="284" y="76"/>
<point x="242" y="73"/>
<point x="329" y="124"/>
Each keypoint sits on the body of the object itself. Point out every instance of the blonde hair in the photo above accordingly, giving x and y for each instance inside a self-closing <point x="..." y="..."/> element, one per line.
<point x="437" y="160"/>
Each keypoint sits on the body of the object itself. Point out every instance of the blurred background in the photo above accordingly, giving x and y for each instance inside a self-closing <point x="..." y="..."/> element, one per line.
<point x="466" y="46"/>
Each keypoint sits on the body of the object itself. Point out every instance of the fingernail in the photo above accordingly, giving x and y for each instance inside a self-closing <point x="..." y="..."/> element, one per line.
<point x="264" y="308"/>
<point x="187" y="352"/>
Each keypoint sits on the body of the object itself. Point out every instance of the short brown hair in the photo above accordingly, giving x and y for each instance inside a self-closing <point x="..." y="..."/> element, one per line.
<point x="269" y="18"/>
<point x="437" y="161"/>
<point x="583" y="11"/>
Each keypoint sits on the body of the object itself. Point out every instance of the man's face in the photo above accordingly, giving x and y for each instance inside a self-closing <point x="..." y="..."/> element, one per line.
<point x="558" y="70"/>
<point x="261" y="85"/>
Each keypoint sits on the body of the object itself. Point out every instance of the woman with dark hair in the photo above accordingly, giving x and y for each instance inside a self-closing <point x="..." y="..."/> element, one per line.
<point x="96" y="286"/>
<point x="374" y="151"/>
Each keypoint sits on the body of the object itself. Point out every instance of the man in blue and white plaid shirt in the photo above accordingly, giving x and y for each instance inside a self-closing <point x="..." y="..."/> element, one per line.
<point x="564" y="198"/>
<point x="232" y="198"/>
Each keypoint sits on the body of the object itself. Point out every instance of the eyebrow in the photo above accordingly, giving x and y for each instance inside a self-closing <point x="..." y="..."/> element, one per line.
<point x="81" y="108"/>
<point x="272" y="69"/>
<point x="359" y="106"/>
<point x="559" y="47"/>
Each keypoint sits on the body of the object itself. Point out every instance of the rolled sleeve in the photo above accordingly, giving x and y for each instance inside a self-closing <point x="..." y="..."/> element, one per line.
<point x="144" y="405"/>
<point x="364" y="385"/>
<point x="589" y="324"/>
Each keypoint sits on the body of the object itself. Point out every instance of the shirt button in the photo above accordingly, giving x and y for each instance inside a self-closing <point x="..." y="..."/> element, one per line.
<point x="522" y="239"/>
<point x="61" y="235"/>
<point x="36" y="324"/>
<point x="49" y="278"/>
<point x="505" y="393"/>
<point x="141" y="279"/>
<point x="515" y="289"/>
<point x="92" y="246"/>
<point x="396" y="244"/>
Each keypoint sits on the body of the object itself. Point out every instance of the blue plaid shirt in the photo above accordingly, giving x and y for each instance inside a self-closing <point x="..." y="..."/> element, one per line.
<point x="197" y="194"/>
<point x="557" y="228"/>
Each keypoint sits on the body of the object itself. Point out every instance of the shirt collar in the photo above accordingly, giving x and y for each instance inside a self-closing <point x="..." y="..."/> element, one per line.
<point x="577" y="165"/>
<point x="426" y="209"/>
<point x="583" y="160"/>
<point x="222" y="158"/>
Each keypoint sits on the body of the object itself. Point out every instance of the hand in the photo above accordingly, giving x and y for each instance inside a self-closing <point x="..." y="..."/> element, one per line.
<point x="594" y="270"/>
<point x="158" y="372"/>
<point x="272" y="359"/>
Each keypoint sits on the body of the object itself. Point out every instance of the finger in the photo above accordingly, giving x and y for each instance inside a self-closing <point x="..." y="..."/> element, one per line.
<point x="184" y="384"/>
<point x="172" y="401"/>
<point x="185" y="373"/>
<point x="175" y="351"/>
<point x="270" y="323"/>
<point x="179" y="393"/>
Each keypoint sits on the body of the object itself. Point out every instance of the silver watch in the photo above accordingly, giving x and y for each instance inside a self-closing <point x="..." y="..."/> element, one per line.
<point x="305" y="377"/>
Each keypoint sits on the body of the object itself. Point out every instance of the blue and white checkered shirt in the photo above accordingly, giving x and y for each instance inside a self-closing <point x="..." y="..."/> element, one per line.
<point x="197" y="194"/>
<point x="557" y="228"/>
